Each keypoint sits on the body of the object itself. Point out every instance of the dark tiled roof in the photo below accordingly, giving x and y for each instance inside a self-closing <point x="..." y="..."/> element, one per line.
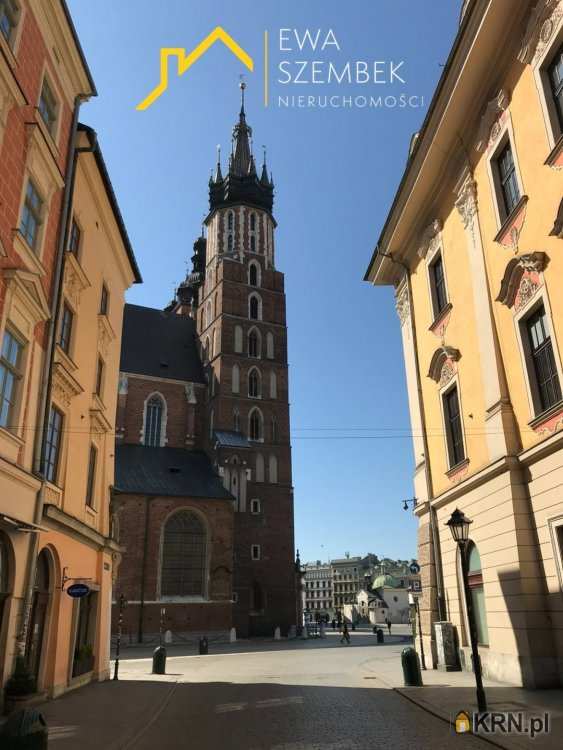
<point x="160" y="344"/>
<point x="231" y="439"/>
<point x="171" y="472"/>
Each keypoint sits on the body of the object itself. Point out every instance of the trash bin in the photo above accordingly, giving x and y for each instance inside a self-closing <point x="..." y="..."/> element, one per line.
<point x="411" y="667"/>
<point x="25" y="729"/>
<point x="159" y="660"/>
<point x="203" y="646"/>
<point x="379" y="634"/>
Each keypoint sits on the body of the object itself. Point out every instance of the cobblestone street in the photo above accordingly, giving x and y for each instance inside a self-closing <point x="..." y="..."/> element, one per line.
<point x="288" y="696"/>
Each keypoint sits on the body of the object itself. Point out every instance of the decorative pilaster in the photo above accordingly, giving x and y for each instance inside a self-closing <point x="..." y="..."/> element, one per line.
<point x="499" y="418"/>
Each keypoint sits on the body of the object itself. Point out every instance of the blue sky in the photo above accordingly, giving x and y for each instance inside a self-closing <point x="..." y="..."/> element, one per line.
<point x="336" y="171"/>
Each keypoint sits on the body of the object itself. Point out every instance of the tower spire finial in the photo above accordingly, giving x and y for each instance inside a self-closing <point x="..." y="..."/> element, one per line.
<point x="242" y="86"/>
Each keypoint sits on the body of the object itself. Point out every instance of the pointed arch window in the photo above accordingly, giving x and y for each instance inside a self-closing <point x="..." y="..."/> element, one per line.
<point x="254" y="385"/>
<point x="208" y="313"/>
<point x="254" y="274"/>
<point x="255" y="425"/>
<point x="252" y="243"/>
<point x="230" y="243"/>
<point x="273" y="385"/>
<point x="255" y="307"/>
<point x="274" y="428"/>
<point x="254" y="343"/>
<point x="154" y="416"/>
<point x="253" y="222"/>
<point x="235" y="379"/>
<point x="184" y="549"/>
<point x="230" y="221"/>
<point x="236" y="420"/>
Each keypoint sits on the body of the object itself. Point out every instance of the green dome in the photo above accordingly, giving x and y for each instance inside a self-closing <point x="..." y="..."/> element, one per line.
<point x="385" y="580"/>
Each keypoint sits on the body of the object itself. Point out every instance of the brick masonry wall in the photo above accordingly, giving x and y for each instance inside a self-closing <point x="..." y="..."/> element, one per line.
<point x="132" y="513"/>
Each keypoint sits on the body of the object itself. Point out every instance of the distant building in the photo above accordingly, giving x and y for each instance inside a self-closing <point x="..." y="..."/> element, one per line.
<point x="347" y="577"/>
<point x="318" y="590"/>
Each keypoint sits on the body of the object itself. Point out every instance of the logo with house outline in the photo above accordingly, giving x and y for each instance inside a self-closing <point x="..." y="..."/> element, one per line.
<point x="462" y="722"/>
<point x="185" y="61"/>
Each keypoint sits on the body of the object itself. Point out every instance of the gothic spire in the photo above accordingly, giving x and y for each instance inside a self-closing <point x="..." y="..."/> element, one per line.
<point x="242" y="158"/>
<point x="218" y="174"/>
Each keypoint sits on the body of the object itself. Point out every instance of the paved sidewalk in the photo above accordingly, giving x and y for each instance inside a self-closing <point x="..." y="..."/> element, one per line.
<point x="446" y="693"/>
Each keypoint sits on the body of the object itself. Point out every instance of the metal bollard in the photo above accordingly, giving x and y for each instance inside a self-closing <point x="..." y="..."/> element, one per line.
<point x="411" y="667"/>
<point x="159" y="660"/>
<point x="203" y="646"/>
<point x="379" y="634"/>
<point x="25" y="729"/>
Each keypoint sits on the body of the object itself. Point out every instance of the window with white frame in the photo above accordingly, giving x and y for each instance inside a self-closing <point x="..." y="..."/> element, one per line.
<point x="255" y="425"/>
<point x="254" y="274"/>
<point x="75" y="238"/>
<point x="255" y="507"/>
<point x="11" y="374"/>
<point x="53" y="444"/>
<point x="555" y="73"/>
<point x="543" y="374"/>
<point x="9" y="19"/>
<point x="508" y="187"/>
<point x="453" y="425"/>
<point x="254" y="343"/>
<point x="48" y="106"/>
<point x="154" y="416"/>
<point x="255" y="552"/>
<point x="254" y="384"/>
<point x="32" y="215"/>
<point x="255" y="307"/>
<point x="438" y="284"/>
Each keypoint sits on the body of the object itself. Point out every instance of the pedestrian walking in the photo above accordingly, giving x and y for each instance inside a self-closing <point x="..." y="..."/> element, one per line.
<point x="345" y="634"/>
<point x="333" y="624"/>
<point x="388" y="622"/>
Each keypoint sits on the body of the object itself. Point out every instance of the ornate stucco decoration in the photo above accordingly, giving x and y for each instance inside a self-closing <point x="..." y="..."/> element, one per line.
<point x="64" y="386"/>
<point x="466" y="201"/>
<point x="491" y="120"/>
<point x="444" y="355"/>
<point x="521" y="279"/>
<point x="74" y="280"/>
<point x="402" y="304"/>
<point x="543" y="21"/>
<point x="106" y="334"/>
<point x="447" y="373"/>
<point x="99" y="424"/>
<point x="430" y="238"/>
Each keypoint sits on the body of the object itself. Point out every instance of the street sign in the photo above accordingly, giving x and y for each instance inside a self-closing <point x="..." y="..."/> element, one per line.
<point x="77" y="590"/>
<point x="414" y="568"/>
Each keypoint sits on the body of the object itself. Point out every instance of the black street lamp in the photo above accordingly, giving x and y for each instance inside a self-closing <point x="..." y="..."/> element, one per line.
<point x="459" y="526"/>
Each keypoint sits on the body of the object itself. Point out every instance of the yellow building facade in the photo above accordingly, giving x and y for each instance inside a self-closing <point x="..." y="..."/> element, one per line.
<point x="473" y="246"/>
<point x="76" y="543"/>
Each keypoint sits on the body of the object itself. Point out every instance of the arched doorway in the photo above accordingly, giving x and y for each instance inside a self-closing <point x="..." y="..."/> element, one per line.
<point x="39" y="612"/>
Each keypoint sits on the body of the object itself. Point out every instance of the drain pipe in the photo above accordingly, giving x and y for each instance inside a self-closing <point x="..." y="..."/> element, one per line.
<point x="47" y="370"/>
<point x="429" y="487"/>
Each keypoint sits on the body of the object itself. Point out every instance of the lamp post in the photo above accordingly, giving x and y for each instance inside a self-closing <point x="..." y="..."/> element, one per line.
<point x="459" y="526"/>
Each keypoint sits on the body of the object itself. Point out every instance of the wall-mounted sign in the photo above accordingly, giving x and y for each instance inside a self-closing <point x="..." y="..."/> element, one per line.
<point x="414" y="568"/>
<point x="78" y="590"/>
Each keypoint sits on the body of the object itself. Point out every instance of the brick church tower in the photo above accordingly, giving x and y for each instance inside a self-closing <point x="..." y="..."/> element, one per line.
<point x="236" y="297"/>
